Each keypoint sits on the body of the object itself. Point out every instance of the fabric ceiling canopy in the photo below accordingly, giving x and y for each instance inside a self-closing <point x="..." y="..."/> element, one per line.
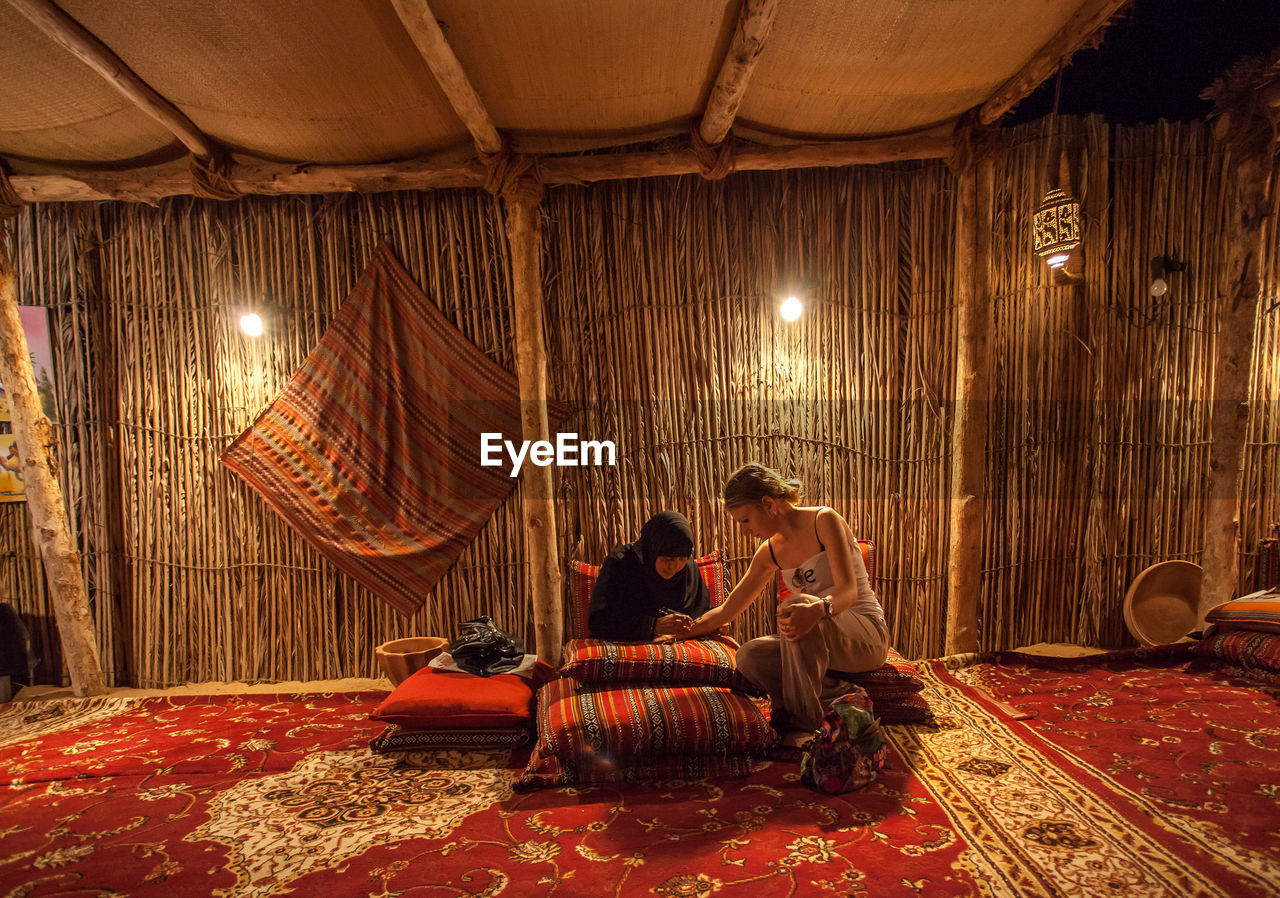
<point x="341" y="81"/>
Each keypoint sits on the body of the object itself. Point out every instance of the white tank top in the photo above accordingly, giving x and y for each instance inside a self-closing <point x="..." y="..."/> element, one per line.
<point x="815" y="578"/>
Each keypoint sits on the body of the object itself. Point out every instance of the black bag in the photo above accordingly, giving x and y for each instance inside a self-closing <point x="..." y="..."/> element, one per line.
<point x="484" y="650"/>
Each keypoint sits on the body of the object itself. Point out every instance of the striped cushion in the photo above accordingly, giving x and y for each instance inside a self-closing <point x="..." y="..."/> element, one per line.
<point x="372" y="450"/>
<point x="913" y="708"/>
<point x="600" y="734"/>
<point x="582" y="578"/>
<point x="397" y="738"/>
<point x="1249" y="649"/>
<point x="1256" y="611"/>
<point x="691" y="662"/>
<point x="894" y="679"/>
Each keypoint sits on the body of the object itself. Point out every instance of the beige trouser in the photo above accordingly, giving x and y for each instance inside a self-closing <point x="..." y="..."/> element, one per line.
<point x="792" y="672"/>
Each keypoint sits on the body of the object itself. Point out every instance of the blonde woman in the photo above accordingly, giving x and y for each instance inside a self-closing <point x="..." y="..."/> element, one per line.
<point x="828" y="618"/>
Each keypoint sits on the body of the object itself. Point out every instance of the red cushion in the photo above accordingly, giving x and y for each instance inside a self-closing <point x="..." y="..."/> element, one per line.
<point x="433" y="699"/>
<point x="396" y="738"/>
<point x="893" y="679"/>
<point x="691" y="662"/>
<point x="1248" y="648"/>
<point x="912" y="708"/>
<point x="595" y="733"/>
<point x="1257" y="611"/>
<point x="582" y="577"/>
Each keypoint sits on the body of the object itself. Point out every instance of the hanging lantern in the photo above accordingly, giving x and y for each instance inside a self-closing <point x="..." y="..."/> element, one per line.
<point x="1056" y="227"/>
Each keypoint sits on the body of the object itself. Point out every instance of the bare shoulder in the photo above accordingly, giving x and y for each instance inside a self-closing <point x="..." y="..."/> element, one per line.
<point x="831" y="523"/>
<point x="762" y="555"/>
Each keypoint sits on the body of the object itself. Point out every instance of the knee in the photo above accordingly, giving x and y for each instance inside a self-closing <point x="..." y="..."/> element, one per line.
<point x="755" y="656"/>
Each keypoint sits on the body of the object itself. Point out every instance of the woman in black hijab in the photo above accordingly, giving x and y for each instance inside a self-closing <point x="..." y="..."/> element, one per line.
<point x="650" y="588"/>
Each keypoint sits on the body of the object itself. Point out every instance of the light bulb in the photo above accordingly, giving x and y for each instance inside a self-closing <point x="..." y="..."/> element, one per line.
<point x="251" y="324"/>
<point x="1058" y="261"/>
<point x="1159" y="287"/>
<point x="791" y="308"/>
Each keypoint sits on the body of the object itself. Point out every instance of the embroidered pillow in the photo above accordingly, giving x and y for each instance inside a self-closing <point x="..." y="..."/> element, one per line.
<point x="582" y="578"/>
<point x="1249" y="649"/>
<point x="434" y="699"/>
<point x="603" y="734"/>
<point x="691" y="662"/>
<point x="396" y="738"/>
<point x="913" y="708"/>
<point x="894" y="679"/>
<point x="1256" y="611"/>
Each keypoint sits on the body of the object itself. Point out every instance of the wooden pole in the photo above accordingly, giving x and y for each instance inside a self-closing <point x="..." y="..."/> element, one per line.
<point x="974" y="187"/>
<point x="36" y="445"/>
<point x="281" y="180"/>
<point x="524" y="234"/>
<point x="420" y="22"/>
<point x="1083" y="28"/>
<point x="73" y="36"/>
<point x="1234" y="345"/>
<point x="755" y="21"/>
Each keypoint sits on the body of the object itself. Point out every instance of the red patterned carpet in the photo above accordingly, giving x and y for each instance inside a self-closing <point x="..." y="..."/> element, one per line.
<point x="1132" y="779"/>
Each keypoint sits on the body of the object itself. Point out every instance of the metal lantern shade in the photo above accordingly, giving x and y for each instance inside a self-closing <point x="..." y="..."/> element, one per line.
<point x="1056" y="224"/>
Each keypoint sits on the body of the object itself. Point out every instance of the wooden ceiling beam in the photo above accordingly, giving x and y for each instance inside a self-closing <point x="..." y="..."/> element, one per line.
<point x="421" y="24"/>
<point x="755" y="21"/>
<point x="1089" y="20"/>
<point x="76" y="39"/>
<point x="281" y="180"/>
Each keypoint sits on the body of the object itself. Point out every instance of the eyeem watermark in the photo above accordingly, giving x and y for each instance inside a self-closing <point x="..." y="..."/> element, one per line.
<point x="566" y="451"/>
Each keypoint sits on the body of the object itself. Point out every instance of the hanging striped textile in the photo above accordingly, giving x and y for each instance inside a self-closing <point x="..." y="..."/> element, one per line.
<point x="372" y="450"/>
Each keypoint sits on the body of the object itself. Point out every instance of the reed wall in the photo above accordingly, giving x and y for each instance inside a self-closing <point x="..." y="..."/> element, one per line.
<point x="662" y="328"/>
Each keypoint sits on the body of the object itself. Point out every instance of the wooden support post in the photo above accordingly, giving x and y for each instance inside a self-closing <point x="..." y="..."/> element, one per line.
<point x="36" y="442"/>
<point x="755" y="21"/>
<point x="420" y="22"/>
<point x="73" y="37"/>
<point x="1085" y="27"/>
<point x="972" y="393"/>
<point x="1237" y="326"/>
<point x="274" y="179"/>
<point x="524" y="235"/>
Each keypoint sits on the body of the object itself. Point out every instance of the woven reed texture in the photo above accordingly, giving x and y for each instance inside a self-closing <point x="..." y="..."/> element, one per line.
<point x="554" y="76"/>
<point x="662" y="326"/>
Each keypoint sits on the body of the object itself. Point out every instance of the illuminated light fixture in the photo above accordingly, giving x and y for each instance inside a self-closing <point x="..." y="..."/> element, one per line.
<point x="1160" y="267"/>
<point x="251" y="324"/>
<point x="1056" y="227"/>
<point x="791" y="308"/>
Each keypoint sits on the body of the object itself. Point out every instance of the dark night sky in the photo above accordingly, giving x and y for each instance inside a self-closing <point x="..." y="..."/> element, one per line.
<point x="1155" y="61"/>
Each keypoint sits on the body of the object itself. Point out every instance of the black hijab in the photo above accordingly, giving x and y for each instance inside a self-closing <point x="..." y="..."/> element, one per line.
<point x="630" y="595"/>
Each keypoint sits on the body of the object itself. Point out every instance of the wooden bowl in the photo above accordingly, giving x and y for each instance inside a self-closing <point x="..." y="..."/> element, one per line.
<point x="1163" y="602"/>
<point x="401" y="657"/>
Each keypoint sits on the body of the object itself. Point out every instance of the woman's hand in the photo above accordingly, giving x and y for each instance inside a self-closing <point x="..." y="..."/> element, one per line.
<point x="800" y="615"/>
<point x="674" y="625"/>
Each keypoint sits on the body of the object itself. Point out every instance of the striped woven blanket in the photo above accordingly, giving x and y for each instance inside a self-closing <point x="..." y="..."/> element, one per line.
<point x="372" y="450"/>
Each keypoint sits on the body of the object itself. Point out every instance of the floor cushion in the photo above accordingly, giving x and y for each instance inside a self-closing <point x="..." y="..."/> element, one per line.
<point x="432" y="699"/>
<point x="1257" y="611"/>
<point x="894" y="679"/>
<point x="690" y="662"/>
<point x="396" y="738"/>
<point x="598" y="733"/>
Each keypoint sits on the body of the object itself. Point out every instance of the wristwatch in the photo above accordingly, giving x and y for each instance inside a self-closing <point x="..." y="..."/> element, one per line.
<point x="826" y="606"/>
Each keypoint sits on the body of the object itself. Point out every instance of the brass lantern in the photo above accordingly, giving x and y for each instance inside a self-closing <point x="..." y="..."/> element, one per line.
<point x="1056" y="227"/>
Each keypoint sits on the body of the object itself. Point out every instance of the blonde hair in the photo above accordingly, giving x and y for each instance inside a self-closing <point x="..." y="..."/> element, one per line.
<point x="753" y="482"/>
